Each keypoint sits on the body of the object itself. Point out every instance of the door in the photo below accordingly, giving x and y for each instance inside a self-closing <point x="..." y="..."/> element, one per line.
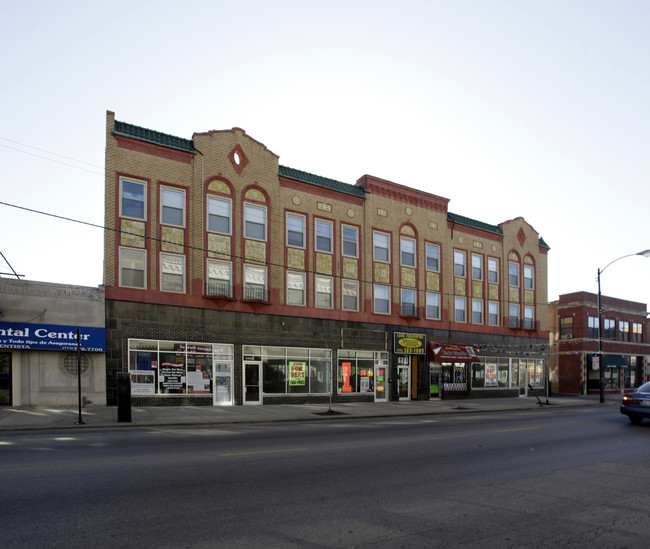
<point x="435" y="375"/>
<point x="5" y="379"/>
<point x="523" y="381"/>
<point x="403" y="377"/>
<point x="252" y="383"/>
<point x="222" y="375"/>
<point x="380" y="383"/>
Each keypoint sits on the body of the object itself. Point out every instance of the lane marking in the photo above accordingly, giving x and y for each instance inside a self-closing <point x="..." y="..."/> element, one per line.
<point x="266" y="452"/>
<point x="518" y="429"/>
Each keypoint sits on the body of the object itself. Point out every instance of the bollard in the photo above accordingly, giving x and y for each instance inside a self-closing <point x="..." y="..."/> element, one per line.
<point x="123" y="397"/>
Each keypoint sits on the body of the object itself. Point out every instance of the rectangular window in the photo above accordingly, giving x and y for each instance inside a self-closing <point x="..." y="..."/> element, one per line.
<point x="172" y="273"/>
<point x="433" y="305"/>
<point x="529" y="318"/>
<point x="459" y="263"/>
<point x="477" y="267"/>
<point x="637" y="332"/>
<point x="350" y="241"/>
<point x="295" y="288"/>
<point x="409" y="305"/>
<point x="324" y="295"/>
<point x="624" y="329"/>
<point x="514" y="316"/>
<point x="219" y="279"/>
<point x="493" y="270"/>
<point x="254" y="222"/>
<point x="132" y="268"/>
<point x="295" y="230"/>
<point x="593" y="327"/>
<point x="380" y="244"/>
<point x="382" y="299"/>
<point x="407" y="251"/>
<point x="477" y="311"/>
<point x="173" y="207"/>
<point x="460" y="311"/>
<point x="361" y="371"/>
<point x="493" y="313"/>
<point x="433" y="257"/>
<point x="133" y="198"/>
<point x="255" y="283"/>
<point x="323" y="236"/>
<point x="350" y="295"/>
<point x="529" y="277"/>
<point x="513" y="274"/>
<point x="566" y="327"/>
<point x="219" y="215"/>
<point x="609" y="328"/>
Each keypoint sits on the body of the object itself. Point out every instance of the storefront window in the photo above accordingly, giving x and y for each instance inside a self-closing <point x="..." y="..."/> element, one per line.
<point x="175" y="367"/>
<point x="491" y="373"/>
<point x="292" y="370"/>
<point x="356" y="370"/>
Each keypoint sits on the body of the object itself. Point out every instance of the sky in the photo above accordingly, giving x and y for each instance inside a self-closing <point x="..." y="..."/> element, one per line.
<point x="508" y="108"/>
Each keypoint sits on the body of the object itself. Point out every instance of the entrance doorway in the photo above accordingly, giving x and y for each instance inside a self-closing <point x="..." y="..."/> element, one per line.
<point x="404" y="377"/>
<point x="435" y="376"/>
<point x="523" y="380"/>
<point x="252" y="383"/>
<point x="5" y="379"/>
<point x="381" y="383"/>
<point x="222" y="376"/>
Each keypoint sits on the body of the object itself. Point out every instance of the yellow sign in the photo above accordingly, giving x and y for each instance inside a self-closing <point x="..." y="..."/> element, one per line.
<point x="410" y="344"/>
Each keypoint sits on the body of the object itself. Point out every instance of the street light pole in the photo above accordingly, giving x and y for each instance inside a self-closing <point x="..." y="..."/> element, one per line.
<point x="601" y="366"/>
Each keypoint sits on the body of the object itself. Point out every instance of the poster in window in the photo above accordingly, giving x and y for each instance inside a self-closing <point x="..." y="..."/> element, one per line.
<point x="142" y="383"/>
<point x="346" y="372"/>
<point x="172" y="377"/>
<point x="297" y="373"/>
<point x="491" y="375"/>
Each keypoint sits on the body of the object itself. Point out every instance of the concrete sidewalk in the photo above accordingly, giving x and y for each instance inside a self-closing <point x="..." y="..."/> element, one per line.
<point x="34" y="418"/>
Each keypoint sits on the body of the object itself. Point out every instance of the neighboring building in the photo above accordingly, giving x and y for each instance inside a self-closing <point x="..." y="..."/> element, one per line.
<point x="574" y="343"/>
<point x="39" y="348"/>
<point x="231" y="279"/>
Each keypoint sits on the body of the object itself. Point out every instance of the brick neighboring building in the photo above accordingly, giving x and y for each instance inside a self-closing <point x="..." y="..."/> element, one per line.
<point x="574" y="343"/>
<point x="231" y="279"/>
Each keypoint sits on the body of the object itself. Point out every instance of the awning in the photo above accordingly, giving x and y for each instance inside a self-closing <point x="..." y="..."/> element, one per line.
<point x="451" y="352"/>
<point x="614" y="361"/>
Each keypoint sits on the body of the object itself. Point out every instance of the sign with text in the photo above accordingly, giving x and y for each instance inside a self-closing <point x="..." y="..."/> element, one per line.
<point x="52" y="337"/>
<point x="410" y="344"/>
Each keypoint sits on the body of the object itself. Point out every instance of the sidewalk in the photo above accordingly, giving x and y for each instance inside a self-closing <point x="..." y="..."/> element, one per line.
<point x="34" y="418"/>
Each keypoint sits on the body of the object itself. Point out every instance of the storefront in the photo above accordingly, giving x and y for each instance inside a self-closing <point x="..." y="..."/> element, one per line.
<point x="48" y="334"/>
<point x="618" y="373"/>
<point x="456" y="371"/>
<point x="363" y="373"/>
<point x="181" y="368"/>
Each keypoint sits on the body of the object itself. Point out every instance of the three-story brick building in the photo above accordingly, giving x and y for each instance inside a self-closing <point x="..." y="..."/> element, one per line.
<point x="231" y="279"/>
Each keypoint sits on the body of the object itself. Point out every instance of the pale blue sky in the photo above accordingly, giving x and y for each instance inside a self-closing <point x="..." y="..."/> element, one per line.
<point x="508" y="108"/>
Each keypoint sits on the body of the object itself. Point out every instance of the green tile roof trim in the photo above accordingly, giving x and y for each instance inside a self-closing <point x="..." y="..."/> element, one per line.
<point x="468" y="222"/>
<point x="324" y="182"/>
<point x="151" y="136"/>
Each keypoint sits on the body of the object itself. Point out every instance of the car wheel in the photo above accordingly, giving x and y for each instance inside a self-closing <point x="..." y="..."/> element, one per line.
<point x="636" y="420"/>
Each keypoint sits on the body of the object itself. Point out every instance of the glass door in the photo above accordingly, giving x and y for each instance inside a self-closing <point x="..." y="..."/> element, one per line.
<point x="222" y="376"/>
<point x="5" y="379"/>
<point x="252" y="383"/>
<point x="403" y="377"/>
<point x="380" y="383"/>
<point x="523" y="380"/>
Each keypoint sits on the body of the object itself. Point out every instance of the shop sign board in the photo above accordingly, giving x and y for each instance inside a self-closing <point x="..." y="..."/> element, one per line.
<point x="52" y="337"/>
<point x="410" y="344"/>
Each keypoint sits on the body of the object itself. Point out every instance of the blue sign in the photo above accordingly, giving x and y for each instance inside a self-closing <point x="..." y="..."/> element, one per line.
<point x="17" y="335"/>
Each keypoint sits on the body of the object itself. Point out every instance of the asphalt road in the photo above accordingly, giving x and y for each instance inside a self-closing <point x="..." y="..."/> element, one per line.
<point x="544" y="478"/>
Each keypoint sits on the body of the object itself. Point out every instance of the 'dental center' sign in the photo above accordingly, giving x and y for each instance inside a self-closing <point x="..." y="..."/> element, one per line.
<point x="16" y="335"/>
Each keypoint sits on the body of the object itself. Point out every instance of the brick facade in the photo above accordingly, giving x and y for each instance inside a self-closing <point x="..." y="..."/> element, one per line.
<point x="231" y="167"/>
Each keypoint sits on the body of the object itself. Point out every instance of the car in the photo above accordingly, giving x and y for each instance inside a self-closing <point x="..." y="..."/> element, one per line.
<point x="636" y="405"/>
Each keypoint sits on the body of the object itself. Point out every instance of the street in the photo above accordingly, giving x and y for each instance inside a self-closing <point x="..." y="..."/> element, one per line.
<point x="544" y="478"/>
